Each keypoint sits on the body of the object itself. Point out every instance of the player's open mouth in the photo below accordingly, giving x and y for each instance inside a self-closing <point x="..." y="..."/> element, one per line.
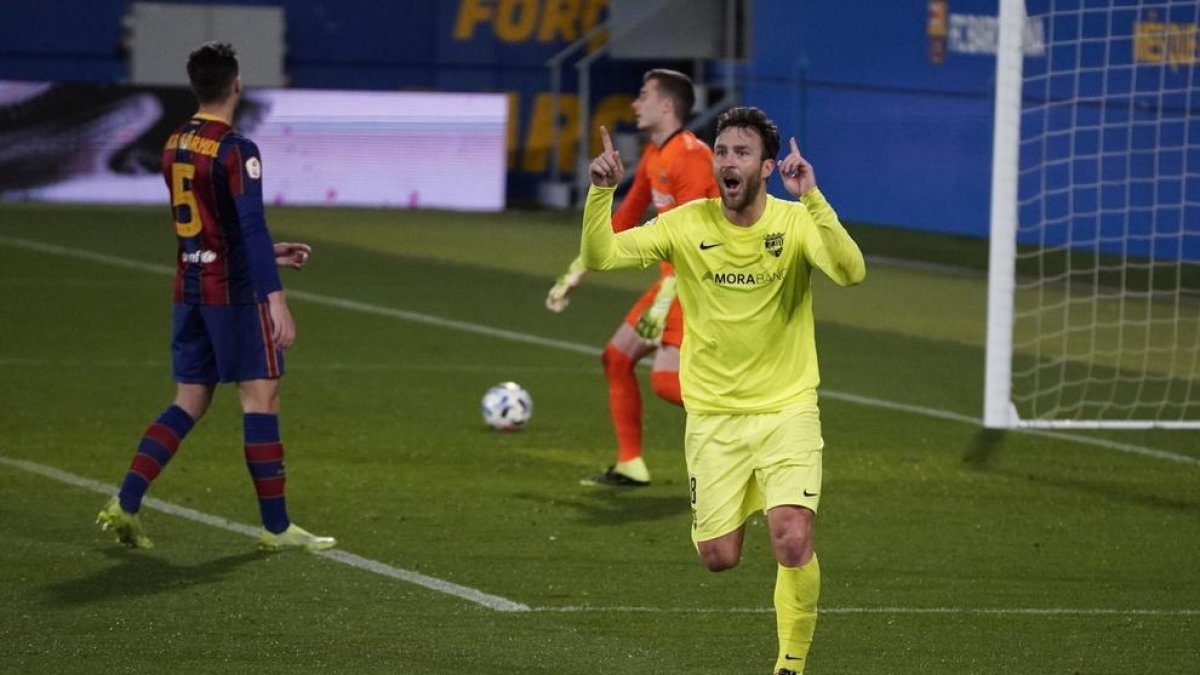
<point x="731" y="183"/>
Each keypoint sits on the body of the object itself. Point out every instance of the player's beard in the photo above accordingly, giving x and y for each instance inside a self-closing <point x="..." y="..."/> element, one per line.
<point x="743" y="194"/>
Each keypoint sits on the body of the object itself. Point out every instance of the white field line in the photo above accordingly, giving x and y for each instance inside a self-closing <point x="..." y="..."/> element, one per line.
<point x="1034" y="611"/>
<point x="500" y="604"/>
<point x="525" y="338"/>
<point x="478" y="597"/>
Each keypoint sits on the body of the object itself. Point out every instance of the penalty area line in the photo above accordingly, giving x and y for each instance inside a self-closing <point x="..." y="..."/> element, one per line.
<point x="493" y="602"/>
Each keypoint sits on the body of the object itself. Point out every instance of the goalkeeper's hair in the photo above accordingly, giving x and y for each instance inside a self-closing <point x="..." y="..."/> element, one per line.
<point x="749" y="117"/>
<point x="675" y="86"/>
<point x="212" y="68"/>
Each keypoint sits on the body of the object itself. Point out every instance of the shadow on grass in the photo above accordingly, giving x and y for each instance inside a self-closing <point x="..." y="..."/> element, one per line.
<point x="1112" y="491"/>
<point x="137" y="574"/>
<point x="617" y="506"/>
<point x="985" y="449"/>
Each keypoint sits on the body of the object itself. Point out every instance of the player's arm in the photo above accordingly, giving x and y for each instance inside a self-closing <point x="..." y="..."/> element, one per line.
<point x="832" y="248"/>
<point x="633" y="208"/>
<point x="603" y="249"/>
<point x="600" y="247"/>
<point x="245" y="181"/>
<point x="560" y="293"/>
<point x="627" y="215"/>
<point x="829" y="247"/>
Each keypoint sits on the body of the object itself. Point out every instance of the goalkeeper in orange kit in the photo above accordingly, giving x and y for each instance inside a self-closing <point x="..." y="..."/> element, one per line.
<point x="675" y="168"/>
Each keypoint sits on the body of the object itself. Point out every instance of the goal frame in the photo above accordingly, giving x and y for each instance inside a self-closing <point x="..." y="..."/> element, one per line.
<point x="998" y="409"/>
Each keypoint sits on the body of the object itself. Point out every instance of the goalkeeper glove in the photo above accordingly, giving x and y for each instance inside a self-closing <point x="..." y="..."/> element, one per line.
<point x="650" y="324"/>
<point x="559" y="296"/>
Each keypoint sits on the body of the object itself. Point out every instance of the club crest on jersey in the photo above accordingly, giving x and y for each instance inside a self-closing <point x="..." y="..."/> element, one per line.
<point x="774" y="243"/>
<point x="254" y="168"/>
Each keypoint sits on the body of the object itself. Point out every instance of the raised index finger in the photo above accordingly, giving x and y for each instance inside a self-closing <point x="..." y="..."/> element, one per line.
<point x="795" y="148"/>
<point x="606" y="139"/>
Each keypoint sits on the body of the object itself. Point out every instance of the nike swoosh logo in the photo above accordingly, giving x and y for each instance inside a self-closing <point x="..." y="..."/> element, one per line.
<point x="705" y="247"/>
<point x="789" y="657"/>
<point x="811" y="494"/>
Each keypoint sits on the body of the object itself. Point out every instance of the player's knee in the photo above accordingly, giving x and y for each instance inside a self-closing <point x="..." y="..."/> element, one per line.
<point x="718" y="558"/>
<point x="791" y="535"/>
<point x="615" y="361"/>
<point x="792" y="547"/>
<point x="193" y="400"/>
<point x="791" y="553"/>
<point x="666" y="386"/>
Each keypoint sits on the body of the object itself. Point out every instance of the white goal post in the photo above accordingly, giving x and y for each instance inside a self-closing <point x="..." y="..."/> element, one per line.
<point x="1094" y="272"/>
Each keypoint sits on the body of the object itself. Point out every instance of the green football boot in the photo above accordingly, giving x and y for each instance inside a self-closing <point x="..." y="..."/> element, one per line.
<point x="127" y="526"/>
<point x="294" y="537"/>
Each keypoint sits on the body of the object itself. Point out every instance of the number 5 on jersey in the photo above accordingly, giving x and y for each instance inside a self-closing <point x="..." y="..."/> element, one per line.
<point x="183" y="201"/>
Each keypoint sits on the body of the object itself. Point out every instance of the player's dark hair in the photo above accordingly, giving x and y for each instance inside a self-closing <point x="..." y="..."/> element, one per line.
<point x="749" y="117"/>
<point x="212" y="69"/>
<point x="676" y="86"/>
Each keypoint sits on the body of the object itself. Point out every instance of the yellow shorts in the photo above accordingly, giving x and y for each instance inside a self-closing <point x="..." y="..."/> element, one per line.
<point x="739" y="464"/>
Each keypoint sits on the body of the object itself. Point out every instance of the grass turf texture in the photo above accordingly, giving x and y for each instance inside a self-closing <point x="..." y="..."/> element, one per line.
<point x="387" y="452"/>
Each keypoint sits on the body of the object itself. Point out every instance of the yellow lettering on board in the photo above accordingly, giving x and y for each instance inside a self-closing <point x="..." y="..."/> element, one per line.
<point x="537" y="140"/>
<point x="471" y="13"/>
<point x="613" y="109"/>
<point x="520" y="20"/>
<point x="560" y="21"/>
<point x="515" y="19"/>
<point x="1176" y="44"/>
<point x="535" y="157"/>
<point x="591" y="17"/>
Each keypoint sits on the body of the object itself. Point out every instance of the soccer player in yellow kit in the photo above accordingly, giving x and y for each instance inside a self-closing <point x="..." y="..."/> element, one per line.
<point x="748" y="367"/>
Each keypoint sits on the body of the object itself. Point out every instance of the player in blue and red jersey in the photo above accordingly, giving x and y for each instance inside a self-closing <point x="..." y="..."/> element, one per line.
<point x="231" y="319"/>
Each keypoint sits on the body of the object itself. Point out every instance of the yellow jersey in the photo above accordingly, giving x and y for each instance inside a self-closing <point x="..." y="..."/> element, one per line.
<point x="746" y="292"/>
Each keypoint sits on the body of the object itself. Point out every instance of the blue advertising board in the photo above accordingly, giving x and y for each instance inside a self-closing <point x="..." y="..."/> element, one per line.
<point x="893" y="103"/>
<point x="892" y="100"/>
<point x="896" y="119"/>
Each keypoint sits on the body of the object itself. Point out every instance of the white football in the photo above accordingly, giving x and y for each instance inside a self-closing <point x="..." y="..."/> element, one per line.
<point x="507" y="407"/>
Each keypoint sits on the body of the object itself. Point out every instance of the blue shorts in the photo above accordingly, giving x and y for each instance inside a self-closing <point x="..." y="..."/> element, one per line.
<point x="223" y="343"/>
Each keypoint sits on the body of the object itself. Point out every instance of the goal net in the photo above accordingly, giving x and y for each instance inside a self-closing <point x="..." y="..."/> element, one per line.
<point x="1094" y="280"/>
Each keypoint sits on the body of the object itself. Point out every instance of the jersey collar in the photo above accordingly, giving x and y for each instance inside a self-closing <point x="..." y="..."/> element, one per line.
<point x="208" y="117"/>
<point x="668" y="138"/>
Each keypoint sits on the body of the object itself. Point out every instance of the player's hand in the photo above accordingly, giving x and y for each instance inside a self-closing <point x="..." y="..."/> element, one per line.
<point x="798" y="175"/>
<point x="293" y="255"/>
<point x="560" y="293"/>
<point x="283" y="329"/>
<point x="606" y="170"/>
<point x="652" y="321"/>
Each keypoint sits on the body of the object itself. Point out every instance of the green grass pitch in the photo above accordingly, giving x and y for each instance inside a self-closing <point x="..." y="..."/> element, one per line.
<point x="943" y="549"/>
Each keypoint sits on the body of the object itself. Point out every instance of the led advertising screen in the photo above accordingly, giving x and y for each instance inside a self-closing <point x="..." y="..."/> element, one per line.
<point x="84" y="143"/>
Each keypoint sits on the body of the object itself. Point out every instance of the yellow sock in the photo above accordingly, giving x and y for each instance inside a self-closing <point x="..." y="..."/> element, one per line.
<point x="796" y="591"/>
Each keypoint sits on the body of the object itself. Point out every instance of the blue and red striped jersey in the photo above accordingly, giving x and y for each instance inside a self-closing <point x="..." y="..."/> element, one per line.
<point x="214" y="174"/>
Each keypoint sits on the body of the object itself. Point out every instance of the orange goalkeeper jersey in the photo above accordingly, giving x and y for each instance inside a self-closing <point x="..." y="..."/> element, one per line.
<point x="674" y="173"/>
